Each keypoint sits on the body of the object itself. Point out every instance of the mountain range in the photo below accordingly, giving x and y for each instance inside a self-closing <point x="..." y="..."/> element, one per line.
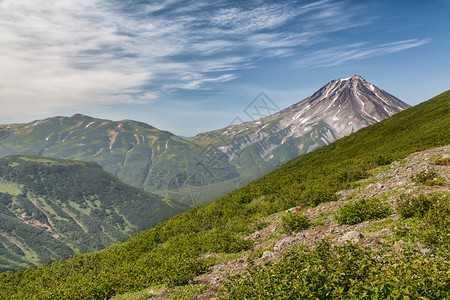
<point x="197" y="170"/>
<point x="135" y="152"/>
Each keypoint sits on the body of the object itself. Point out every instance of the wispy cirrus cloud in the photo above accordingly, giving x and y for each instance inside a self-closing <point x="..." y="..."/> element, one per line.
<point x="335" y="56"/>
<point x="73" y="54"/>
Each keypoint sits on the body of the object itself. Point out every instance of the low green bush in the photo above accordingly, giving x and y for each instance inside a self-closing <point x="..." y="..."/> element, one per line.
<point x="442" y="161"/>
<point x="317" y="194"/>
<point x="426" y="220"/>
<point x="382" y="160"/>
<point x="409" y="206"/>
<point x="425" y="176"/>
<point x="295" y="221"/>
<point x="438" y="224"/>
<point x="362" y="210"/>
<point x="438" y="181"/>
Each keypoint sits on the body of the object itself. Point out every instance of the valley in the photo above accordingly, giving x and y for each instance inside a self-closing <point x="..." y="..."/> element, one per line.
<point x="53" y="208"/>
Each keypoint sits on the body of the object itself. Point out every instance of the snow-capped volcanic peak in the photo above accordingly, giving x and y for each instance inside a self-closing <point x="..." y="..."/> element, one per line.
<point x="346" y="105"/>
<point x="354" y="77"/>
<point x="339" y="108"/>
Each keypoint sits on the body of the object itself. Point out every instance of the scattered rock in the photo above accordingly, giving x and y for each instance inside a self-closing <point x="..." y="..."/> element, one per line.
<point x="287" y="241"/>
<point x="352" y="237"/>
<point x="426" y="251"/>
<point x="386" y="231"/>
<point x="300" y="236"/>
<point x="268" y="254"/>
<point x="256" y="235"/>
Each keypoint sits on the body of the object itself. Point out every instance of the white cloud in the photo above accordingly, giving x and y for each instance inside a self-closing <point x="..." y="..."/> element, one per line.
<point x="243" y="21"/>
<point x="75" y="54"/>
<point x="45" y="59"/>
<point x="197" y="83"/>
<point x="335" y="56"/>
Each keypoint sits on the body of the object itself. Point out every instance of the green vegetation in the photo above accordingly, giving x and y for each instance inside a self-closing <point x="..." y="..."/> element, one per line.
<point x="362" y="210"/>
<point x="171" y="252"/>
<point x="345" y="272"/>
<point x="428" y="221"/>
<point x="136" y="153"/>
<point x="409" y="206"/>
<point x="295" y="221"/>
<point x="443" y="161"/>
<point x="53" y="208"/>
<point x="428" y="177"/>
<point x="10" y="188"/>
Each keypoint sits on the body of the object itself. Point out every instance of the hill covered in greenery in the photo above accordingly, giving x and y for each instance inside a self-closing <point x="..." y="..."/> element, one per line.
<point x="135" y="152"/>
<point x="177" y="250"/>
<point x="54" y="208"/>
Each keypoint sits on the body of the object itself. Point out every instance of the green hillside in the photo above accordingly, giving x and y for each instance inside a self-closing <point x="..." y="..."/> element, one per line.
<point x="53" y="208"/>
<point x="173" y="252"/>
<point x="135" y="152"/>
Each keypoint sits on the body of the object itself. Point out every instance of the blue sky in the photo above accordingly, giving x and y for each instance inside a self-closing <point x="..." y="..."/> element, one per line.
<point x="193" y="66"/>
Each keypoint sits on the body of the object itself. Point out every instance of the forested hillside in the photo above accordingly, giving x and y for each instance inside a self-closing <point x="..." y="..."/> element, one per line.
<point x="53" y="208"/>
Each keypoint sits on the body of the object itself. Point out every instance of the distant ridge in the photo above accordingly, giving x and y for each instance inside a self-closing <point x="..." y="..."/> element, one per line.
<point x="137" y="153"/>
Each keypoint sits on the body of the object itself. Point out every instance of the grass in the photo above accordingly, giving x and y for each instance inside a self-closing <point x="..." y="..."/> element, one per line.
<point x="10" y="188"/>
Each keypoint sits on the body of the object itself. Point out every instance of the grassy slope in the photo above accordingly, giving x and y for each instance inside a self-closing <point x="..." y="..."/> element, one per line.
<point x="169" y="253"/>
<point x="53" y="208"/>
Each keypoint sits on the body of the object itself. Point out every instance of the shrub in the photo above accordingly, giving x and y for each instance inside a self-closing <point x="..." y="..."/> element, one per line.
<point x="382" y="160"/>
<point x="317" y="194"/>
<point x="431" y="224"/>
<point x="438" y="181"/>
<point x="424" y="176"/>
<point x="438" y="221"/>
<point x="409" y="206"/>
<point x="442" y="162"/>
<point x="362" y="210"/>
<point x="295" y="221"/>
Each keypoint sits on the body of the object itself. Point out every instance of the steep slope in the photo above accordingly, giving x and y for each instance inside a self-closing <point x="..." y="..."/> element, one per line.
<point x="136" y="153"/>
<point x="289" y="247"/>
<point x="52" y="208"/>
<point x="338" y="109"/>
<point x="177" y="250"/>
